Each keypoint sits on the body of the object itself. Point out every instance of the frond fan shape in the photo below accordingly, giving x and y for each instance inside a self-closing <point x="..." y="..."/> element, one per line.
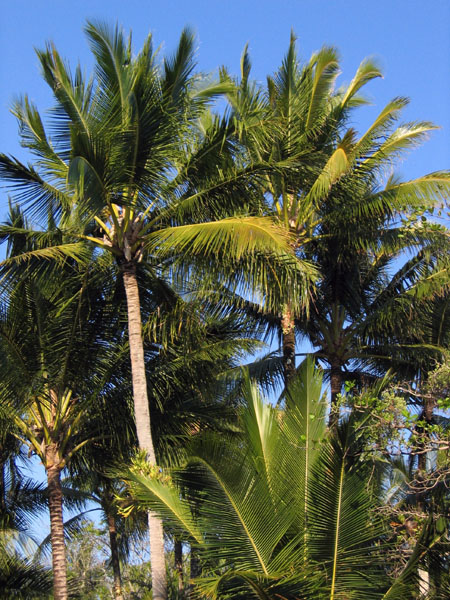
<point x="283" y="508"/>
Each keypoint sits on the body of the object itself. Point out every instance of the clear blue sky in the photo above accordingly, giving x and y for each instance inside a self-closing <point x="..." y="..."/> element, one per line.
<point x="410" y="37"/>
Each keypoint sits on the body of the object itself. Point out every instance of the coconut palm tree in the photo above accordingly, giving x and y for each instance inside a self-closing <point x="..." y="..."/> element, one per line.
<point x="54" y="351"/>
<point x="123" y="172"/>
<point x="87" y="476"/>
<point x="370" y="315"/>
<point x="329" y="184"/>
<point x="186" y="350"/>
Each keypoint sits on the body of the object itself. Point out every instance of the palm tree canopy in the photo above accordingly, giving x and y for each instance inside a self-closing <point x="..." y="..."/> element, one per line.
<point x="134" y="165"/>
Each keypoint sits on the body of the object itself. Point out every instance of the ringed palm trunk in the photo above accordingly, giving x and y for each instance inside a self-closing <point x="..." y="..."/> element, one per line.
<point x="142" y="417"/>
<point x="288" y="344"/>
<point x="59" y="561"/>
<point x="115" y="557"/>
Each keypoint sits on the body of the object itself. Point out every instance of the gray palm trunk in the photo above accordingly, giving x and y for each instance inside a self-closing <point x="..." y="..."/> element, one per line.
<point x="59" y="561"/>
<point x="117" y="588"/>
<point x="142" y="418"/>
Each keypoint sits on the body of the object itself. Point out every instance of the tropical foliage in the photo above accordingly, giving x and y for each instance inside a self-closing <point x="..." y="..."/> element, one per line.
<point x="285" y="508"/>
<point x="154" y="248"/>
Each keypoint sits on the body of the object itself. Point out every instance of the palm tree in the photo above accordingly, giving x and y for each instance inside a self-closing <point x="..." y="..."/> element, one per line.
<point x="368" y="314"/>
<point x="329" y="195"/>
<point x="293" y="122"/>
<point x="54" y="350"/>
<point x="90" y="470"/>
<point x="424" y="377"/>
<point x="88" y="476"/>
<point x="186" y="349"/>
<point x="285" y="509"/>
<point x="123" y="173"/>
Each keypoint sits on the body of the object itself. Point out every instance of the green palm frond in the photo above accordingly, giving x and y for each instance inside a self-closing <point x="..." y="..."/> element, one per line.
<point x="367" y="70"/>
<point x="335" y="168"/>
<point x="326" y="69"/>
<point x="283" y="507"/>
<point x="384" y="120"/>
<point x="427" y="191"/>
<point x="404" y="138"/>
<point x="304" y="427"/>
<point x="34" y="137"/>
<point x="179" y="67"/>
<point x="342" y="526"/>
<point x="47" y="199"/>
<point x="234" y="237"/>
<point x="157" y="494"/>
<point x="73" y="96"/>
<point x="23" y="579"/>
<point x="112" y="54"/>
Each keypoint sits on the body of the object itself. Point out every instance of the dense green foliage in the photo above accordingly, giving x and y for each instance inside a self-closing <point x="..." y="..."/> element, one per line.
<point x="153" y="248"/>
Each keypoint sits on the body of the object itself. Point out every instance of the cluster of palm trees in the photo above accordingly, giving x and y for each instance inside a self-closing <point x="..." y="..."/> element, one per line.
<point x="153" y="245"/>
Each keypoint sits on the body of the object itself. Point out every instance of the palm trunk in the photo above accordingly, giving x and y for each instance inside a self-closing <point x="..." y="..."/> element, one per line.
<point x="140" y="398"/>
<point x="427" y="416"/>
<point x="178" y="556"/>
<point x="157" y="560"/>
<point x="2" y="488"/>
<point x="336" y="388"/>
<point x="288" y="342"/>
<point x="59" y="561"/>
<point x="115" y="558"/>
<point x="195" y="570"/>
<point x="142" y="418"/>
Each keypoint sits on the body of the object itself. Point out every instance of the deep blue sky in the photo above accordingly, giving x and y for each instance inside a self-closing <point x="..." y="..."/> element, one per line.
<point x="410" y="38"/>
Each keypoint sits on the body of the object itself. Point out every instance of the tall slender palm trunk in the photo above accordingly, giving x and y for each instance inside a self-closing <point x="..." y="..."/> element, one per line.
<point x="115" y="557"/>
<point x="336" y="380"/>
<point x="2" y="488"/>
<point x="178" y="559"/>
<point x="195" y="571"/>
<point x="142" y="417"/>
<point x="288" y="344"/>
<point x="59" y="561"/>
<point x="423" y="466"/>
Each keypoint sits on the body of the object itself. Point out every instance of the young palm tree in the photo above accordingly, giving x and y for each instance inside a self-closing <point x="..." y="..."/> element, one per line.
<point x="285" y="509"/>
